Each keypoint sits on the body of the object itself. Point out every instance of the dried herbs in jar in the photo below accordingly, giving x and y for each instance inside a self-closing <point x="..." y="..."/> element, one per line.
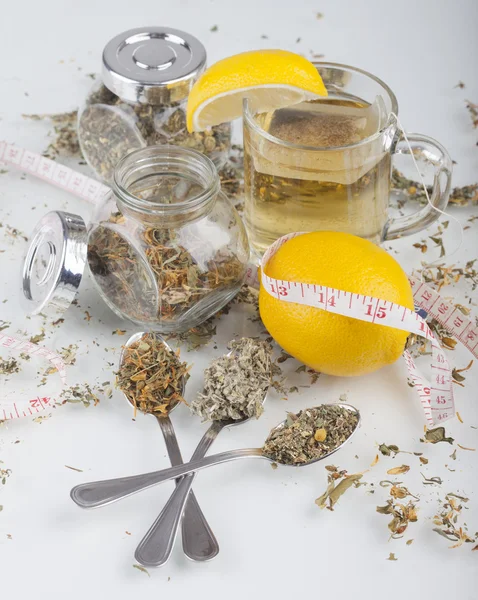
<point x="166" y="248"/>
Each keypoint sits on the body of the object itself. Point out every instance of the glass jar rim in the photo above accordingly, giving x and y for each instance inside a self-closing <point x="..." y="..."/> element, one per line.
<point x="391" y="117"/>
<point x="177" y="160"/>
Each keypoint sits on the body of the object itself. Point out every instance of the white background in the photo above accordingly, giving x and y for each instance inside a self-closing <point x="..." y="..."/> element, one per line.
<point x="275" y="542"/>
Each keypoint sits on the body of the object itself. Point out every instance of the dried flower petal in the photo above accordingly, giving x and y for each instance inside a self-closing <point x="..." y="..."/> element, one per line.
<point x="399" y="470"/>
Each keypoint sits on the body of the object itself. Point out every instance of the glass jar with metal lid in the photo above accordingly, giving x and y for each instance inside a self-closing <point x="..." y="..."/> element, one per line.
<point x="147" y="74"/>
<point x="165" y="248"/>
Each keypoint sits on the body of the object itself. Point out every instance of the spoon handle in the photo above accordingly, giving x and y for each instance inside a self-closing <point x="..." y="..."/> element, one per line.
<point x="196" y="522"/>
<point x="100" y="493"/>
<point x="155" y="548"/>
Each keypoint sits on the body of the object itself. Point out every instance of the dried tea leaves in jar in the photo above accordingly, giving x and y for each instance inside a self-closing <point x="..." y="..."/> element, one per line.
<point x="110" y="128"/>
<point x="310" y="434"/>
<point x="167" y="283"/>
<point x="235" y="385"/>
<point x="151" y="376"/>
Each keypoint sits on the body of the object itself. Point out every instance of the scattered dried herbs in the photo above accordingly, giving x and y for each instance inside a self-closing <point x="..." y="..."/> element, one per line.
<point x="314" y="375"/>
<point x="334" y="492"/>
<point x="9" y="366"/>
<point x="388" y="450"/>
<point x="39" y="337"/>
<point x="202" y="334"/>
<point x="77" y="394"/>
<point x="66" y="140"/>
<point x="413" y="190"/>
<point x="151" y="376"/>
<point x="399" y="492"/>
<point x="458" y="377"/>
<point x="441" y="275"/>
<point x="399" y="470"/>
<point x="431" y="480"/>
<point x="433" y="436"/>
<point x="4" y="474"/>
<point x="41" y="418"/>
<point x="473" y="110"/>
<point x="294" y="443"/>
<point x="235" y="385"/>
<point x="402" y="516"/>
<point x="14" y="233"/>
<point x="392" y="556"/>
<point x="447" y="521"/>
<point x="142" y="569"/>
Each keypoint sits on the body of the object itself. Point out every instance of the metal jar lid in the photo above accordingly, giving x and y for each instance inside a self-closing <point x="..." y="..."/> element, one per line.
<point x="152" y="65"/>
<point x="54" y="263"/>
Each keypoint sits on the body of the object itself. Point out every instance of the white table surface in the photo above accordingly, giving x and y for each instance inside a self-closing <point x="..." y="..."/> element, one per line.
<point x="275" y="542"/>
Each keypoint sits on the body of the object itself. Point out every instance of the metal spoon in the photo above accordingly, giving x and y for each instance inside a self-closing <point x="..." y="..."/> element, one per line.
<point x="99" y="493"/>
<point x="156" y="546"/>
<point x="199" y="543"/>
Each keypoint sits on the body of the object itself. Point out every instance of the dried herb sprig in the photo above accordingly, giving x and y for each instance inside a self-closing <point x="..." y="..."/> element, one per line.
<point x="434" y="436"/>
<point x="335" y="490"/>
<point x="402" y="514"/>
<point x="235" y="385"/>
<point x="151" y="376"/>
<point x="447" y="521"/>
<point x="311" y="434"/>
<point x="4" y="474"/>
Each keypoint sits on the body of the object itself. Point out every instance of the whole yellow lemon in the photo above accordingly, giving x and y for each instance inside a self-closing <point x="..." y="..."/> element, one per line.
<point x="328" y="342"/>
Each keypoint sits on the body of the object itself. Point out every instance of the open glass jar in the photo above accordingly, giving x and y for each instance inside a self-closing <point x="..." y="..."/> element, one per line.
<point x="147" y="74"/>
<point x="165" y="248"/>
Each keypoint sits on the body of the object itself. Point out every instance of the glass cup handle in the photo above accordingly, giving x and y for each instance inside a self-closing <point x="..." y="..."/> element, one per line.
<point x="428" y="149"/>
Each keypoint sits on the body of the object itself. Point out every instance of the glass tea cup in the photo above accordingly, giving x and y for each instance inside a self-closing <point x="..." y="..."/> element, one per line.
<point x="326" y="164"/>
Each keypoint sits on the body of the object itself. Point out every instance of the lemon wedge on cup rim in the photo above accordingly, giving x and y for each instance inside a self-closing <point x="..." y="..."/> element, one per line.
<point x="269" y="79"/>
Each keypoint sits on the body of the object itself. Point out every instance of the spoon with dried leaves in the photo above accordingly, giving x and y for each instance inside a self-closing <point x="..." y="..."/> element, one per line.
<point x="235" y="389"/>
<point x="301" y="440"/>
<point x="153" y="380"/>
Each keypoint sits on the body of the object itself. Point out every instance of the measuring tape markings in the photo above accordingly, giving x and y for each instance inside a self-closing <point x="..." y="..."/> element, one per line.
<point x="63" y="177"/>
<point x="24" y="408"/>
<point x="450" y="317"/>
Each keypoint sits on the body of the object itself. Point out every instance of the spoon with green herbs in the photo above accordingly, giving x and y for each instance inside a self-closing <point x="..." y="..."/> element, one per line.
<point x="303" y="439"/>
<point x="153" y="380"/>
